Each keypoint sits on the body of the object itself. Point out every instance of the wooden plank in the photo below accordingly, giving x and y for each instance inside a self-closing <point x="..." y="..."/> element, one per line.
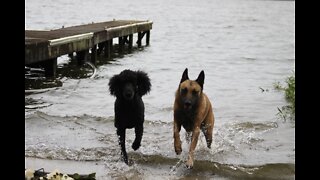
<point x="68" y="39"/>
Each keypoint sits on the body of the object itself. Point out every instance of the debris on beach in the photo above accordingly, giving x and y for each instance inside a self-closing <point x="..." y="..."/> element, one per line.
<point x="40" y="174"/>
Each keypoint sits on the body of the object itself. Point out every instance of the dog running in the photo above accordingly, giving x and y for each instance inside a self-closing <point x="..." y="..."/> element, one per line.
<point x="193" y="111"/>
<point x="128" y="87"/>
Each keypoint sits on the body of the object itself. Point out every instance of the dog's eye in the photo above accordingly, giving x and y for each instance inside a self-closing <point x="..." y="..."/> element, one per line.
<point x="194" y="92"/>
<point x="184" y="91"/>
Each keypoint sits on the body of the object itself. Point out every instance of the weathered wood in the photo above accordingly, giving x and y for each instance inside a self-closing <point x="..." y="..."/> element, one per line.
<point x="42" y="46"/>
<point x="36" y="50"/>
<point x="120" y="44"/>
<point x="82" y="56"/>
<point x="107" y="52"/>
<point x="111" y="47"/>
<point x="50" y="67"/>
<point x="94" y="54"/>
<point x="101" y="48"/>
<point x="130" y="41"/>
<point x="70" y="55"/>
<point x="139" y="39"/>
<point x="148" y="38"/>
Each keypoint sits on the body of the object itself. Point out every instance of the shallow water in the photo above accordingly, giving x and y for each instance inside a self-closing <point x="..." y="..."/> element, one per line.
<point x="243" y="46"/>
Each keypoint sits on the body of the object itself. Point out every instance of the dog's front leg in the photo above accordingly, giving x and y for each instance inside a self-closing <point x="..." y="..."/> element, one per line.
<point x="137" y="141"/>
<point x="194" y="141"/>
<point x="176" y="137"/>
<point x="122" y="142"/>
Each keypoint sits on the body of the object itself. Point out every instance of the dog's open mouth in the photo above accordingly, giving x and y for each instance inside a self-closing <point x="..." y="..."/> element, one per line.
<point x="187" y="107"/>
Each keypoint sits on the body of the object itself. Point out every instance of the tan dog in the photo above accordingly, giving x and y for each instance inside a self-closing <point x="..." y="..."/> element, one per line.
<point x="192" y="110"/>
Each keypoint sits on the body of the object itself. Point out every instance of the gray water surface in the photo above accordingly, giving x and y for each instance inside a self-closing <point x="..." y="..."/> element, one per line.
<point x="243" y="46"/>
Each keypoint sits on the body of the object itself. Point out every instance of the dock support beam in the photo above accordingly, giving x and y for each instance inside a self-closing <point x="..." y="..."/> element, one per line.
<point x="94" y="54"/>
<point x="101" y="46"/>
<point x="140" y="36"/>
<point x="130" y="41"/>
<point x="108" y="48"/>
<point x="148" y="38"/>
<point x="139" y="39"/>
<point x="82" y="56"/>
<point x="50" y="67"/>
<point x="121" y="44"/>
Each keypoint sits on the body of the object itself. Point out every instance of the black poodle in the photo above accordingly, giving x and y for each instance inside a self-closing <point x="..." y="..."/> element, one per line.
<point x="128" y="87"/>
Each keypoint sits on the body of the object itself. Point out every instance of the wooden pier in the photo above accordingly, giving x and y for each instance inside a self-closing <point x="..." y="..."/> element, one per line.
<point x="44" y="47"/>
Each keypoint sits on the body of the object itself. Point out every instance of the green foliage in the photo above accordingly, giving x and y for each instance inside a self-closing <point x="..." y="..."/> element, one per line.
<point x="288" y="111"/>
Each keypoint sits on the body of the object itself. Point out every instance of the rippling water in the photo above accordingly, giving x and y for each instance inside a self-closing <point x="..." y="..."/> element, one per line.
<point x="242" y="45"/>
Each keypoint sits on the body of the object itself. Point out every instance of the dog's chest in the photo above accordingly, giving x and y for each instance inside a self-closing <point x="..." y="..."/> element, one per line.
<point x="128" y="114"/>
<point x="186" y="119"/>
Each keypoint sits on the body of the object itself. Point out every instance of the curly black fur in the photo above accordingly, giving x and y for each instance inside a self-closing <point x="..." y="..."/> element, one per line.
<point x="128" y="87"/>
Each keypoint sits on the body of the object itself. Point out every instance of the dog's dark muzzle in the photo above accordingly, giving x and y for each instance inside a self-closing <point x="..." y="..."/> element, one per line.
<point x="187" y="104"/>
<point x="128" y="95"/>
<point x="128" y="92"/>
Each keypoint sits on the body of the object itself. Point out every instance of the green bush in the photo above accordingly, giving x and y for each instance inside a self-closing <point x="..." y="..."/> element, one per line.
<point x="288" y="111"/>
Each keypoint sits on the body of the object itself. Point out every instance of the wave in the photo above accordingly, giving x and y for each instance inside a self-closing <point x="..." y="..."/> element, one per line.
<point x="211" y="168"/>
<point x="105" y="119"/>
<point x="255" y="126"/>
<point x="168" y="166"/>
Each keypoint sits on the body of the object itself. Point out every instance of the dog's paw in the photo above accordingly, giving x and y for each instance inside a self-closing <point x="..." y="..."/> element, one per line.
<point x="178" y="150"/>
<point x="124" y="158"/>
<point x="209" y="144"/>
<point x="189" y="164"/>
<point x="135" y="145"/>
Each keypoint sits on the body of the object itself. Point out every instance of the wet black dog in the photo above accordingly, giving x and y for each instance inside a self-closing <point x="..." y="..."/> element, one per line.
<point x="128" y="87"/>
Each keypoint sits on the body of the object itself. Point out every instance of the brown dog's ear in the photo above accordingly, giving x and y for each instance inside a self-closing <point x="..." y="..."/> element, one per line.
<point x="200" y="79"/>
<point x="184" y="75"/>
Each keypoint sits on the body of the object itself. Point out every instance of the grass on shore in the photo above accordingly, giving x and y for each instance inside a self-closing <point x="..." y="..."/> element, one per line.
<point x="288" y="111"/>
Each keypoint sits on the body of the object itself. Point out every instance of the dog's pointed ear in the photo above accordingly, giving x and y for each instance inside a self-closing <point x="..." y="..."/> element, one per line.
<point x="200" y="79"/>
<point x="143" y="82"/>
<point x="114" y="84"/>
<point x="184" y="75"/>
